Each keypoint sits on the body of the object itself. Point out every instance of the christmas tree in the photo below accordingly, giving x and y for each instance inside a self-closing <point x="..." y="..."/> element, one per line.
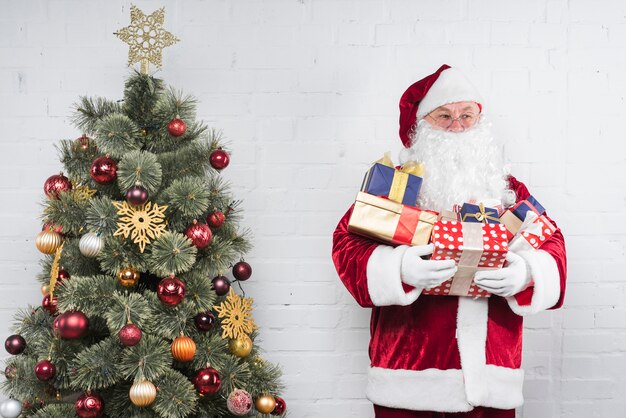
<point x="138" y="318"/>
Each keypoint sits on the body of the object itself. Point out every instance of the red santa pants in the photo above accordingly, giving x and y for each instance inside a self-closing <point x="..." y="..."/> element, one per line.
<point x="480" y="412"/>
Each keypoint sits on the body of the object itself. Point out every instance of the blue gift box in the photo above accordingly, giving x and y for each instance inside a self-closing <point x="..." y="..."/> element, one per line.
<point x="478" y="213"/>
<point x="385" y="181"/>
<point x="530" y="204"/>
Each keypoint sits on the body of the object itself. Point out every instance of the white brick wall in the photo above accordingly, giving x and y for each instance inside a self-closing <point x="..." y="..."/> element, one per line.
<point x="307" y="92"/>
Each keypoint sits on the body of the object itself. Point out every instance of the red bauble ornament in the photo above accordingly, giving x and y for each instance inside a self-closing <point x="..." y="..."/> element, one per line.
<point x="205" y="321"/>
<point x="280" y="407"/>
<point x="89" y="405"/>
<point x="63" y="275"/>
<point x="171" y="291"/>
<point x="221" y="285"/>
<point x="177" y="127"/>
<point x="45" y="370"/>
<point x="72" y="325"/>
<point x="103" y="170"/>
<point x="137" y="195"/>
<point x="56" y="184"/>
<point x="50" y="304"/>
<point x="215" y="219"/>
<point x="56" y="228"/>
<point x="199" y="234"/>
<point x="207" y="381"/>
<point x="219" y="159"/>
<point x="242" y="271"/>
<point x="129" y="335"/>
<point x="15" y="344"/>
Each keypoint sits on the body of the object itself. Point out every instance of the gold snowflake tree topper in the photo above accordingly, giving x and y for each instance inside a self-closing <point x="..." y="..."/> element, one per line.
<point x="146" y="38"/>
<point x="237" y="314"/>
<point x="143" y="223"/>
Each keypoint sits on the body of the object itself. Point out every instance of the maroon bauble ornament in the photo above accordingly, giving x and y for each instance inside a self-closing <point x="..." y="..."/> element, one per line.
<point x="215" y="219"/>
<point x="82" y="143"/>
<point x="103" y="170"/>
<point x="221" y="285"/>
<point x="137" y="195"/>
<point x="171" y="291"/>
<point x="199" y="234"/>
<point x="50" y="304"/>
<point x="56" y="184"/>
<point x="207" y="381"/>
<point x="280" y="407"/>
<point x="205" y="321"/>
<point x="63" y="275"/>
<point x="129" y="335"/>
<point x="15" y="344"/>
<point x="177" y="127"/>
<point x="242" y="271"/>
<point x="219" y="159"/>
<point x="10" y="371"/>
<point x="72" y="325"/>
<point x="45" y="370"/>
<point x="89" y="405"/>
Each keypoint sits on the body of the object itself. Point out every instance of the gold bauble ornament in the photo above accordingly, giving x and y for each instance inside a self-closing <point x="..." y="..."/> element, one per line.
<point x="45" y="289"/>
<point x="142" y="393"/>
<point x="128" y="277"/>
<point x="48" y="241"/>
<point x="183" y="348"/>
<point x="265" y="404"/>
<point x="241" y="346"/>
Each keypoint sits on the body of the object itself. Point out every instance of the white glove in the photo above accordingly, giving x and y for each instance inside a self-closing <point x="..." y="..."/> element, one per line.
<point x="421" y="273"/>
<point x="506" y="281"/>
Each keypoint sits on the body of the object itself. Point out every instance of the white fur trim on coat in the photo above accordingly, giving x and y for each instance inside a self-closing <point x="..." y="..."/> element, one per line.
<point x="383" y="277"/>
<point x="450" y="87"/>
<point x="443" y="390"/>
<point x="471" y="334"/>
<point x="547" y="284"/>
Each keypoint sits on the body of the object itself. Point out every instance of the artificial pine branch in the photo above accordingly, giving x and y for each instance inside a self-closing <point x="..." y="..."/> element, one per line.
<point x="118" y="254"/>
<point x="117" y="134"/>
<point x="65" y="211"/>
<point x="141" y="93"/>
<point x="101" y="216"/>
<point x="125" y="307"/>
<point x="76" y="162"/>
<point x="89" y="111"/>
<point x="151" y="358"/>
<point x="56" y="410"/>
<point x="89" y="294"/>
<point x="139" y="168"/>
<point x="172" y="253"/>
<point x="176" y="396"/>
<point x="98" y="366"/>
<point x="187" y="199"/>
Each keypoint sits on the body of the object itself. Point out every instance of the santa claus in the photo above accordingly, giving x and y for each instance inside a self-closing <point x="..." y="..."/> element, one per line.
<point x="448" y="356"/>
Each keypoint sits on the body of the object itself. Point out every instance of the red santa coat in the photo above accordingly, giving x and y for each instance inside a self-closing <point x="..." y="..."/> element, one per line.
<point x="444" y="353"/>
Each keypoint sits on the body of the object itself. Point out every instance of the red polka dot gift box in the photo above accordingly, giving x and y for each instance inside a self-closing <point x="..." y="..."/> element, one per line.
<point x="474" y="247"/>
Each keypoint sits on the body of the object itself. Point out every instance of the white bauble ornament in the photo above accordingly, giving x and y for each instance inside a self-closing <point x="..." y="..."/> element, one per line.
<point x="10" y="408"/>
<point x="142" y="393"/>
<point x="90" y="244"/>
<point x="239" y="402"/>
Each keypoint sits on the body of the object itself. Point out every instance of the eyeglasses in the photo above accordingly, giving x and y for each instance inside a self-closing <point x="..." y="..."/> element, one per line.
<point x="445" y="120"/>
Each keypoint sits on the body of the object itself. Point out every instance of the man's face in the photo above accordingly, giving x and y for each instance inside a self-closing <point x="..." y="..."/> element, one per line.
<point x="454" y="117"/>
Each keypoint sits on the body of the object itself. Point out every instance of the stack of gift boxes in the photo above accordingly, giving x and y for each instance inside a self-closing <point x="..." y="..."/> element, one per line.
<point x="474" y="236"/>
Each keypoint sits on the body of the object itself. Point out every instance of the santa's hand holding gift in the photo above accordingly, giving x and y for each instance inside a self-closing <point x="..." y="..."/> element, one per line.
<point x="450" y="354"/>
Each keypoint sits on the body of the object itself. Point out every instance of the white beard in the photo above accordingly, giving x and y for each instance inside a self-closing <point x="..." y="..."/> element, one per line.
<point x="459" y="166"/>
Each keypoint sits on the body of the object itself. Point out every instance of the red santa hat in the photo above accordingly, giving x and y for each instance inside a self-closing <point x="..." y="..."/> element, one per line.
<point x="446" y="85"/>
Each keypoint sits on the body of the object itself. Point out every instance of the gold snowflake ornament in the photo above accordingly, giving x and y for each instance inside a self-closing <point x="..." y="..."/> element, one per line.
<point x="237" y="314"/>
<point x="146" y="38"/>
<point x="142" y="223"/>
<point x="83" y="193"/>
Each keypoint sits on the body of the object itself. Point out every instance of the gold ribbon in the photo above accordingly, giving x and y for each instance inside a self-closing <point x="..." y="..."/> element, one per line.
<point x="482" y="215"/>
<point x="401" y="176"/>
<point x="54" y="270"/>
